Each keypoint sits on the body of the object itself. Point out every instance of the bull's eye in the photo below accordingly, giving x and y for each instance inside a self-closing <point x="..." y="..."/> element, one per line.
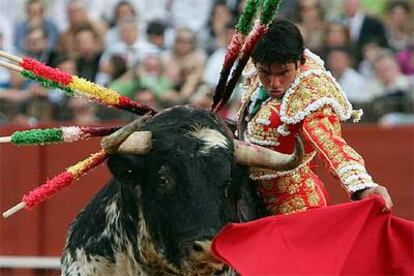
<point x="166" y="180"/>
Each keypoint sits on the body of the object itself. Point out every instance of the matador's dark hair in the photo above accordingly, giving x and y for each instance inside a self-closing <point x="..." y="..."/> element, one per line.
<point x="283" y="43"/>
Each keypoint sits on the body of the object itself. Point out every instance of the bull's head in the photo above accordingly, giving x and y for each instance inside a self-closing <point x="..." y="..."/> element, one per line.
<point x="189" y="178"/>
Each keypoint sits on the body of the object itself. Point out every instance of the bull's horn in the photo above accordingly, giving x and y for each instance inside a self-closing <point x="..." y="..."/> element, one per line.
<point x="139" y="143"/>
<point x="256" y="156"/>
<point x="112" y="142"/>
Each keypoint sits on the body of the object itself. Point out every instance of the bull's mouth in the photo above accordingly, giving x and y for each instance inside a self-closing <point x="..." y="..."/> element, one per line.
<point x="205" y="268"/>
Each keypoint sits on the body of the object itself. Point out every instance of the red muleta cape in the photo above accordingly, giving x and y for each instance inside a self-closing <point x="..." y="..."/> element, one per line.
<point x="354" y="238"/>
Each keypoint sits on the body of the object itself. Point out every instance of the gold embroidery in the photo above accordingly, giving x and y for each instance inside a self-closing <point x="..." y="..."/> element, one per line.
<point x="293" y="189"/>
<point x="327" y="124"/>
<point x="256" y="131"/>
<point x="297" y="177"/>
<point x="348" y="150"/>
<point x="282" y="184"/>
<point x="312" y="88"/>
<point x="293" y="193"/>
<point x="263" y="113"/>
<point x="313" y="198"/>
<point x="259" y="128"/>
<point x="296" y="204"/>
<point x="309" y="183"/>
<point x="327" y="111"/>
<point x="324" y="136"/>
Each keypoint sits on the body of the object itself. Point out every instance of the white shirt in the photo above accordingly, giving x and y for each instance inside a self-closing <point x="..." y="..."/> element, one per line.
<point x="213" y="67"/>
<point x="190" y="13"/>
<point x="58" y="11"/>
<point x="354" y="86"/>
<point x="146" y="9"/>
<point x="355" y="24"/>
<point x="132" y="53"/>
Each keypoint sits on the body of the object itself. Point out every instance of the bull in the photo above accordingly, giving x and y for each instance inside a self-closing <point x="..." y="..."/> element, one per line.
<point x="160" y="211"/>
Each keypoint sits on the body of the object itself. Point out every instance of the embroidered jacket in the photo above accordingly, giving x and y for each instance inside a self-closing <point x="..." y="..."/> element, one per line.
<point x="313" y="107"/>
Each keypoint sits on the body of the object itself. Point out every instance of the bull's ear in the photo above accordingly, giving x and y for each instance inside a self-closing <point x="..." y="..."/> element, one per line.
<point x="126" y="168"/>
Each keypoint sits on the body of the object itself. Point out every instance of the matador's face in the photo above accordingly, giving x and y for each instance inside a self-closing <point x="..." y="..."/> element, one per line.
<point x="276" y="78"/>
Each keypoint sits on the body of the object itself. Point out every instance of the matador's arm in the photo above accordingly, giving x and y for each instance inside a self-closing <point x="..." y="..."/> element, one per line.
<point x="322" y="129"/>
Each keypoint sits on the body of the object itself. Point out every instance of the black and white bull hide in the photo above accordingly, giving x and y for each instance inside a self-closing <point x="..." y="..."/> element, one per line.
<point x="160" y="211"/>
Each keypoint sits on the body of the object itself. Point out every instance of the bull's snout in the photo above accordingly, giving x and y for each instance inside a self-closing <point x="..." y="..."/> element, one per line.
<point x="200" y="252"/>
<point x="200" y="248"/>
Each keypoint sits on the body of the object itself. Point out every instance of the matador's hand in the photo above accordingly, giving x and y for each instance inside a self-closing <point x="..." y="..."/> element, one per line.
<point x="382" y="192"/>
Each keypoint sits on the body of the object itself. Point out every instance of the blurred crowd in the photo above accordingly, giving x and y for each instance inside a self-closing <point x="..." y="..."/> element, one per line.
<point x="168" y="52"/>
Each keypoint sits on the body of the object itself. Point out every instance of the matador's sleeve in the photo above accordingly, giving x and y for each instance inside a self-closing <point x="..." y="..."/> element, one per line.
<point x="323" y="130"/>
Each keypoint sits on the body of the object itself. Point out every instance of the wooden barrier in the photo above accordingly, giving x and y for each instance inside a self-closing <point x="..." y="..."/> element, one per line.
<point x="42" y="231"/>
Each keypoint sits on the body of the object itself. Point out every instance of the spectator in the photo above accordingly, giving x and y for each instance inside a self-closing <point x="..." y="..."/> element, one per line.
<point x="11" y="12"/>
<point x="363" y="28"/>
<point x="181" y="17"/>
<point x="211" y="75"/>
<point x="336" y="35"/>
<point x="24" y="101"/>
<point x="121" y="80"/>
<point x="94" y="11"/>
<point x="4" y="73"/>
<point x="153" y="10"/>
<point x="234" y="6"/>
<point x="35" y="19"/>
<point x="126" y="84"/>
<point x="310" y="22"/>
<point x="395" y="92"/>
<point x="123" y="10"/>
<point x="146" y="76"/>
<point x="130" y="61"/>
<point x="374" y="7"/>
<point x="151" y="74"/>
<point x="39" y="108"/>
<point x="389" y="74"/>
<point x="111" y="70"/>
<point x="369" y="52"/>
<point x="287" y="9"/>
<point x="332" y="9"/>
<point x="184" y="66"/>
<point x="147" y="97"/>
<point x="214" y="35"/>
<point x="146" y="10"/>
<point x="398" y="20"/>
<point x="214" y="63"/>
<point x="396" y="119"/>
<point x="83" y="111"/>
<point x="36" y="45"/>
<point x="117" y="67"/>
<point x="88" y="49"/>
<point x="339" y="62"/>
<point x="57" y="97"/>
<point x="202" y="98"/>
<point x="156" y="34"/>
<point x="405" y="60"/>
<point x="78" y="18"/>
<point x="6" y="32"/>
<point x="14" y="94"/>
<point x="145" y="82"/>
<point x="131" y="48"/>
